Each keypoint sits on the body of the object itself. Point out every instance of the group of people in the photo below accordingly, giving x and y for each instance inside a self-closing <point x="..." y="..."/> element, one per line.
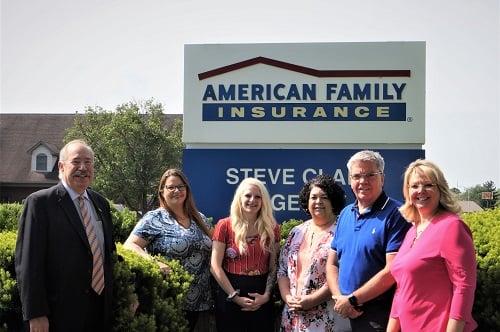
<point x="373" y="265"/>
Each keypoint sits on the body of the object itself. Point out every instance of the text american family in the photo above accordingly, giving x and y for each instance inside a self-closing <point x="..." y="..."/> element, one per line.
<point x="303" y="102"/>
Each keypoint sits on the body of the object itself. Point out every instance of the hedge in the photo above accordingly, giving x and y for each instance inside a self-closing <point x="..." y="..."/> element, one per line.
<point x="485" y="227"/>
<point x="123" y="223"/>
<point x="286" y="227"/>
<point x="9" y="216"/>
<point x="161" y="298"/>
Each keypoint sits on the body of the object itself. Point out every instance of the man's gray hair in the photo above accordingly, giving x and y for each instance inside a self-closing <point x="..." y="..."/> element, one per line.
<point x="64" y="151"/>
<point x="367" y="155"/>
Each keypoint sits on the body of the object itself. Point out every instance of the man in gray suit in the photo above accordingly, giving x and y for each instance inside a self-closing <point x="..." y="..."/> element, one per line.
<point x="64" y="250"/>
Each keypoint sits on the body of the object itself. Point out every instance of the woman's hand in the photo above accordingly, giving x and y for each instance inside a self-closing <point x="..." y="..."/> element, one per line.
<point x="304" y="302"/>
<point x="253" y="302"/>
<point x="246" y="303"/>
<point x="259" y="299"/>
<point x="164" y="268"/>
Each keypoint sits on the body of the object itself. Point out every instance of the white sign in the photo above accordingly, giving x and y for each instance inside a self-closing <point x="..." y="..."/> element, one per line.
<point x="313" y="93"/>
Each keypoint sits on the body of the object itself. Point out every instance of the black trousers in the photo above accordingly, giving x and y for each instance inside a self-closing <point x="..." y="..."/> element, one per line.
<point x="375" y="315"/>
<point x="94" y="316"/>
<point x="228" y="315"/>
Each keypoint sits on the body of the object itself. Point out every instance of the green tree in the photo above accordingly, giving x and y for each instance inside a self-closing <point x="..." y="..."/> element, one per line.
<point x="133" y="146"/>
<point x="474" y="194"/>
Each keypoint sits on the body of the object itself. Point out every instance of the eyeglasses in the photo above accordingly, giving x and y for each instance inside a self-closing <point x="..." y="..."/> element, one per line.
<point x="78" y="162"/>
<point x="423" y="186"/>
<point x="180" y="187"/>
<point x="366" y="176"/>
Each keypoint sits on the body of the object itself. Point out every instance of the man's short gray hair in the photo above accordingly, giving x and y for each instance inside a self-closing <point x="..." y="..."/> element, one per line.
<point x="64" y="151"/>
<point x="367" y="155"/>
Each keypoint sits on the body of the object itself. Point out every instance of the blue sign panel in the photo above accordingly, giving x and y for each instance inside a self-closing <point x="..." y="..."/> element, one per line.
<point x="305" y="112"/>
<point x="214" y="175"/>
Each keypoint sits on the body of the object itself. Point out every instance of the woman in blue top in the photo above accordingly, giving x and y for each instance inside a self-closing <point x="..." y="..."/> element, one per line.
<point x="177" y="230"/>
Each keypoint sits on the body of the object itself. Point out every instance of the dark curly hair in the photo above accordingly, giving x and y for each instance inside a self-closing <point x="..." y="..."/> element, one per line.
<point x="334" y="192"/>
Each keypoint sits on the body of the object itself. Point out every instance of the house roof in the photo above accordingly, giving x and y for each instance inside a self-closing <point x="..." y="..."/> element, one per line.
<point x="469" y="206"/>
<point x="21" y="133"/>
<point x="303" y="70"/>
<point x="52" y="148"/>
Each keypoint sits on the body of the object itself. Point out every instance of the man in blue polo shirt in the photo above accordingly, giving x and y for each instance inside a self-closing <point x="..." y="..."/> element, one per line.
<point x="369" y="233"/>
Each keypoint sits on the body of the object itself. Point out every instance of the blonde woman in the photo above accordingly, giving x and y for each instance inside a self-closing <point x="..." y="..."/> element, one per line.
<point x="435" y="268"/>
<point x="245" y="246"/>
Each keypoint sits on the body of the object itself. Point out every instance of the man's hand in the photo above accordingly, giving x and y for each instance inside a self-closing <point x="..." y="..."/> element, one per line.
<point x="354" y="313"/>
<point x="39" y="324"/>
<point x="344" y="307"/>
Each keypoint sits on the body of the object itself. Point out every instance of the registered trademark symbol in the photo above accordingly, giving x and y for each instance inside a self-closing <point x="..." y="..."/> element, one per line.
<point x="409" y="119"/>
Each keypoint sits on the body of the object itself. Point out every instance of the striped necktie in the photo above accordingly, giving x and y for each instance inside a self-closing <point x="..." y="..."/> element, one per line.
<point x="97" y="270"/>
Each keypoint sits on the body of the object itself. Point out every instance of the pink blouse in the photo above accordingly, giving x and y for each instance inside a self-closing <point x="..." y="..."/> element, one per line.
<point x="435" y="276"/>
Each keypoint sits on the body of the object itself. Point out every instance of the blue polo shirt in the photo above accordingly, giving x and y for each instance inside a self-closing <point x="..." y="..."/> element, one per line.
<point x="362" y="240"/>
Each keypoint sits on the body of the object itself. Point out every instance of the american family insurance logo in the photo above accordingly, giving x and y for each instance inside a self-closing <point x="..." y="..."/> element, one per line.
<point x="331" y="95"/>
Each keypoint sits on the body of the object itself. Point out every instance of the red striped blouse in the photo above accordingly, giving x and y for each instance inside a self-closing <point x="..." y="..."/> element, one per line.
<point x="255" y="261"/>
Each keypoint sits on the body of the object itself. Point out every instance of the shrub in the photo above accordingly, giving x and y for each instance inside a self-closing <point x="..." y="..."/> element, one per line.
<point x="160" y="298"/>
<point x="9" y="216"/>
<point x="286" y="227"/>
<point x="135" y="278"/>
<point x="10" y="306"/>
<point x="485" y="226"/>
<point x="123" y="222"/>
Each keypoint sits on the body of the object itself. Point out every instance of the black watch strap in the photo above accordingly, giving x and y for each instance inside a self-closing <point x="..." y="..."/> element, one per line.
<point x="231" y="296"/>
<point x="353" y="300"/>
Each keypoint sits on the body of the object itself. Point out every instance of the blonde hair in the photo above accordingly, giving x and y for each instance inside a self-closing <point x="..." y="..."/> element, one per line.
<point x="431" y="171"/>
<point x="265" y="222"/>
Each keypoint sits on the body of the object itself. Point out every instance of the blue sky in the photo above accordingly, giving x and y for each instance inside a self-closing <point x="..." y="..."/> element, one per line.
<point x="59" y="56"/>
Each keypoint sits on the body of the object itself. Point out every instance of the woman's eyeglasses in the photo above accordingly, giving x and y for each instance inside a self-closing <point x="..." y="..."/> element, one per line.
<point x="423" y="186"/>
<point x="180" y="187"/>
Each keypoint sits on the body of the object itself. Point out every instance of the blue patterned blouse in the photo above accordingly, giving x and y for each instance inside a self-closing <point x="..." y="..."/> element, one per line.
<point x="190" y="246"/>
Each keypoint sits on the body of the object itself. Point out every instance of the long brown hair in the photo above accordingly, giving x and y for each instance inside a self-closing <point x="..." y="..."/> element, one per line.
<point x="189" y="206"/>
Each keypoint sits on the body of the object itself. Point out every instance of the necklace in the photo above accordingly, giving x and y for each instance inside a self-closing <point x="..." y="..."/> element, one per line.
<point x="319" y="230"/>
<point x="418" y="232"/>
<point x="184" y="222"/>
<point x="312" y="238"/>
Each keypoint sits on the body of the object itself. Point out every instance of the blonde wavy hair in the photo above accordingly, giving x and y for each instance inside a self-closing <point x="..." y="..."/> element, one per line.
<point x="265" y="222"/>
<point x="431" y="171"/>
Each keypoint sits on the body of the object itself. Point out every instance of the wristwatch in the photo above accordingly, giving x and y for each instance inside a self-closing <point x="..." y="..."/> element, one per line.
<point x="231" y="296"/>
<point x="353" y="300"/>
